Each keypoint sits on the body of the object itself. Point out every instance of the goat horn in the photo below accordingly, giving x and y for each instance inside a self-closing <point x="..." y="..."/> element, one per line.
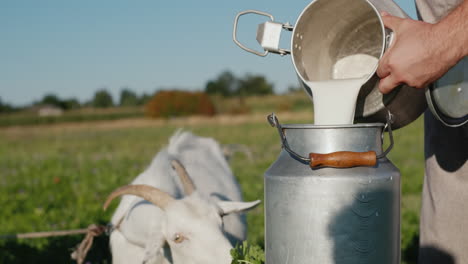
<point x="187" y="182"/>
<point x="149" y="193"/>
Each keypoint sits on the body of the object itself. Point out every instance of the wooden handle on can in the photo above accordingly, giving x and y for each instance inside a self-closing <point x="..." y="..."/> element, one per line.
<point x="343" y="159"/>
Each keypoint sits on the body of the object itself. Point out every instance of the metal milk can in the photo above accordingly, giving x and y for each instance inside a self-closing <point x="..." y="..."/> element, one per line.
<point x="338" y="207"/>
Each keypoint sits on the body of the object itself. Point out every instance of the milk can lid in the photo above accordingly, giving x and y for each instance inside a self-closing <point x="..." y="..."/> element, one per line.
<point x="448" y="97"/>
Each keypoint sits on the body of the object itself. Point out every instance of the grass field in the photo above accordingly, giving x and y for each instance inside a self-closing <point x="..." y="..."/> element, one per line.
<point x="57" y="177"/>
<point x="25" y="118"/>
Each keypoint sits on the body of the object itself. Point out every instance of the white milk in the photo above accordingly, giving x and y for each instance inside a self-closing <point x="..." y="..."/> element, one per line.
<point x="354" y="66"/>
<point x="335" y="100"/>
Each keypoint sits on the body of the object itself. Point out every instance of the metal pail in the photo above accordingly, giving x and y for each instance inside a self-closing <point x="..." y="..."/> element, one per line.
<point x="328" y="30"/>
<point x="331" y="215"/>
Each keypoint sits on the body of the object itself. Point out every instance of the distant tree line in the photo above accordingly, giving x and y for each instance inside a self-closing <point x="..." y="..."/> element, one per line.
<point x="101" y="99"/>
<point x="225" y="84"/>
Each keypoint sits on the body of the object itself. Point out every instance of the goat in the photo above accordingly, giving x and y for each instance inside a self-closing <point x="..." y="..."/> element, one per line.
<point x="156" y="223"/>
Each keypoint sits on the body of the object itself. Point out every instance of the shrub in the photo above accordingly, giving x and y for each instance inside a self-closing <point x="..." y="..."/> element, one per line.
<point x="166" y="104"/>
<point x="128" y="98"/>
<point x="102" y="99"/>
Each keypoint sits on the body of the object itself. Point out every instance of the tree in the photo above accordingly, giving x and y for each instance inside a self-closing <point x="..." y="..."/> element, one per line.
<point x="226" y="84"/>
<point x="71" y="103"/>
<point x="65" y="104"/>
<point x="5" y="108"/>
<point x="52" y="99"/>
<point x="102" y="99"/>
<point x="254" y="85"/>
<point x="144" y="99"/>
<point x="128" y="98"/>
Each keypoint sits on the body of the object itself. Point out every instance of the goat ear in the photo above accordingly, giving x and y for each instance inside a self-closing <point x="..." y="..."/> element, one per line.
<point x="228" y="207"/>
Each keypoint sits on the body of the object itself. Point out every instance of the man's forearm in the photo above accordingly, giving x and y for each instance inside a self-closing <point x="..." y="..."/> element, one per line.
<point x="454" y="29"/>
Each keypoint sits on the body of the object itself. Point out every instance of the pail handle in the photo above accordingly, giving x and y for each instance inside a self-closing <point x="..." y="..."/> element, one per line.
<point x="268" y="34"/>
<point x="339" y="159"/>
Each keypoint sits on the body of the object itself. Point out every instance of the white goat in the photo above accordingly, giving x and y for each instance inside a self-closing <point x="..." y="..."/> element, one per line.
<point x="157" y="224"/>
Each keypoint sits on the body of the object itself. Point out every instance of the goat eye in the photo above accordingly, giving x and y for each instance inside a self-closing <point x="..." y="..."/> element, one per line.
<point x="178" y="238"/>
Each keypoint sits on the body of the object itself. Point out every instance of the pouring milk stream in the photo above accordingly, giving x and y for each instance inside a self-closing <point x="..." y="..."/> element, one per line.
<point x="333" y="55"/>
<point x="335" y="99"/>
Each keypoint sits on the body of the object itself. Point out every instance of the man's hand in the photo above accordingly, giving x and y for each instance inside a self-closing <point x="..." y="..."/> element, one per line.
<point x="419" y="55"/>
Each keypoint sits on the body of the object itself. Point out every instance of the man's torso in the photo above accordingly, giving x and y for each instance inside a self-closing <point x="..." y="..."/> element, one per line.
<point x="433" y="10"/>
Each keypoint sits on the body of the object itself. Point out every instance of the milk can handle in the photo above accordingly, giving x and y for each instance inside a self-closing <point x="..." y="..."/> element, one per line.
<point x="234" y="32"/>
<point x="339" y="159"/>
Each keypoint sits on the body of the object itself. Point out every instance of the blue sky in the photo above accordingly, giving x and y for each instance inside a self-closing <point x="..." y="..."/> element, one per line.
<point x="72" y="48"/>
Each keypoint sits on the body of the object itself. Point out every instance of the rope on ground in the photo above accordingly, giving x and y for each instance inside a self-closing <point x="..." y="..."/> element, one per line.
<point x="82" y="249"/>
<point x="46" y="234"/>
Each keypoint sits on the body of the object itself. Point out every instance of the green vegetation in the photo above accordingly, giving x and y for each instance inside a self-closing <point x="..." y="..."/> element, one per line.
<point x="102" y="99"/>
<point x="295" y="102"/>
<point x="5" y="108"/>
<point x="128" y="98"/>
<point x="227" y="84"/>
<point x="248" y="254"/>
<point x="53" y="100"/>
<point x="79" y="115"/>
<point x="57" y="177"/>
